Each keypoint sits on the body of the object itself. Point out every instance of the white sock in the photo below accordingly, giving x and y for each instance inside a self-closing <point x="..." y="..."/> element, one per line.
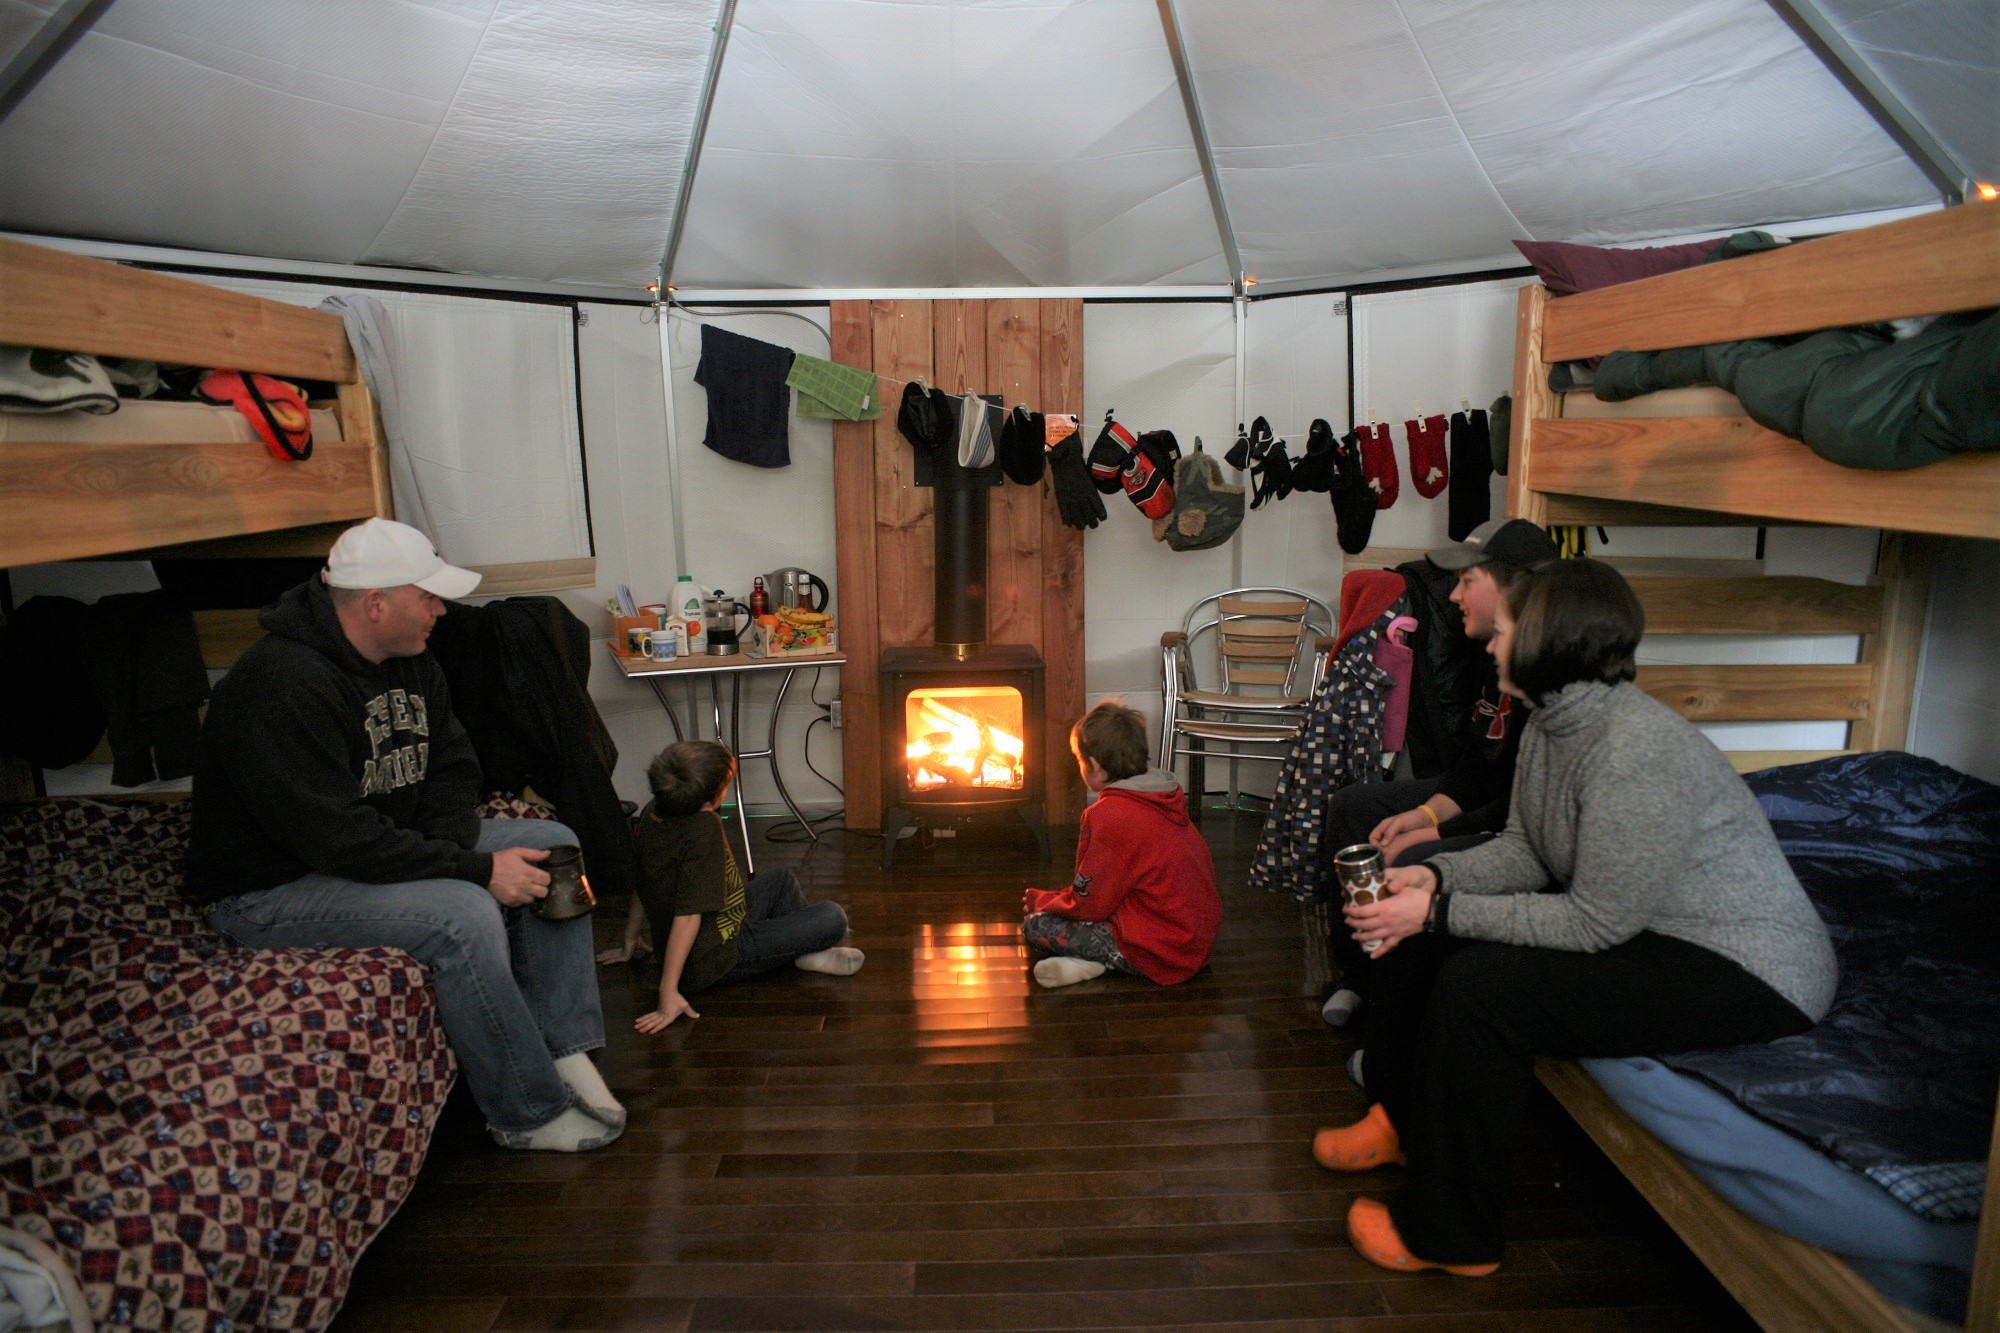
<point x="572" y="1131"/>
<point x="590" y="1088"/>
<point x="1340" y="1007"/>
<point x="1062" y="970"/>
<point x="840" y="961"/>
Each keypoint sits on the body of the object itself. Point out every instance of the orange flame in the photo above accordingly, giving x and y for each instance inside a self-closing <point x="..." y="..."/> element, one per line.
<point x="950" y="745"/>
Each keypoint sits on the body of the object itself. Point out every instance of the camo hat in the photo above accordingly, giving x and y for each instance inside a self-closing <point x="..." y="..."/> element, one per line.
<point x="1207" y="510"/>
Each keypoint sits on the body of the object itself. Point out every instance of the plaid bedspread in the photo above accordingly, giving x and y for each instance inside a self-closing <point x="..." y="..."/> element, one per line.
<point x="208" y="1135"/>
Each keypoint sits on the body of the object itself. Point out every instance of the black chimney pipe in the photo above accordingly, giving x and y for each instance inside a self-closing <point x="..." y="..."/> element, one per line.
<point x="958" y="566"/>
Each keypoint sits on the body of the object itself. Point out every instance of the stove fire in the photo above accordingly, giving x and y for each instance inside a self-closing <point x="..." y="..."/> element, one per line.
<point x="966" y="735"/>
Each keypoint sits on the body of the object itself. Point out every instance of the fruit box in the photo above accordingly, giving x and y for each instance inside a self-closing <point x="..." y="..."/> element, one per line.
<point x="782" y="640"/>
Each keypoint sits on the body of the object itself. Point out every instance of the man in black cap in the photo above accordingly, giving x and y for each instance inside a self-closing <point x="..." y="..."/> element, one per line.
<point x="1417" y="819"/>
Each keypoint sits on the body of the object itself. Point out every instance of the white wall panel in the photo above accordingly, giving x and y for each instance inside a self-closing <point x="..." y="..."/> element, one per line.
<point x="1958" y="713"/>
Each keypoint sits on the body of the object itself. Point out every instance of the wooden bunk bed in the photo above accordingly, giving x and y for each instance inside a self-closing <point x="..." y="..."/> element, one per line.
<point x="1725" y="469"/>
<point x="71" y="500"/>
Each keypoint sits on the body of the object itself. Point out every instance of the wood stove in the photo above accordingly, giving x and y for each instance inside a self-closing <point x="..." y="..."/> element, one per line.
<point x="962" y="719"/>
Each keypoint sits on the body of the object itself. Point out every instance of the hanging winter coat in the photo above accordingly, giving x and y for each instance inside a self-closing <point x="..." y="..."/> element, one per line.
<point x="1448" y="674"/>
<point x="1338" y="745"/>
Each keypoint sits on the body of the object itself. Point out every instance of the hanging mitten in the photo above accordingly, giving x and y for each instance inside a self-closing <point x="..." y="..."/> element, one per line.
<point x="1077" y="500"/>
<point x="1429" y="469"/>
<point x="923" y="419"/>
<point x="1238" y="456"/>
<point x="1109" y="456"/>
<point x="1378" y="460"/>
<point x="1471" y="501"/>
<point x="1314" y="470"/>
<point x="1149" y="473"/>
<point x="1270" y="471"/>
<point x="1499" y="429"/>
<point x="1353" y="498"/>
<point x="1023" y="451"/>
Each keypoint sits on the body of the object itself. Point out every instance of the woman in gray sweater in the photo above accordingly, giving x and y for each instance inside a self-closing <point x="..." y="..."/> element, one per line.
<point x="1636" y="904"/>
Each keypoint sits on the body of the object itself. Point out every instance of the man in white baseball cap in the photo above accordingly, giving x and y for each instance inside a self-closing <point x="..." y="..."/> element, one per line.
<point x="335" y="801"/>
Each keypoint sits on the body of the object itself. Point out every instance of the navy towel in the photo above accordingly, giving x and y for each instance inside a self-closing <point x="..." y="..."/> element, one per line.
<point x="749" y="407"/>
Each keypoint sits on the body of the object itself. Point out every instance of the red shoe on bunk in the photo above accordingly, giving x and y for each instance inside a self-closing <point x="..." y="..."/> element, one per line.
<point x="1362" y="1146"/>
<point x="1374" y="1238"/>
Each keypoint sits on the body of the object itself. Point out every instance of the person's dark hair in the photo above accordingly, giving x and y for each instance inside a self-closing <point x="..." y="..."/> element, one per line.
<point x="688" y="775"/>
<point x="1504" y="574"/>
<point x="1115" y="736"/>
<point x="1573" y="620"/>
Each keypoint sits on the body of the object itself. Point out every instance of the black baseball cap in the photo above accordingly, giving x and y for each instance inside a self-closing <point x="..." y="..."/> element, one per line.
<point x="1513" y="540"/>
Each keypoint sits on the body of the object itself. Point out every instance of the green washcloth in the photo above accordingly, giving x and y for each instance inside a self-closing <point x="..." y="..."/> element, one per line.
<point x="830" y="390"/>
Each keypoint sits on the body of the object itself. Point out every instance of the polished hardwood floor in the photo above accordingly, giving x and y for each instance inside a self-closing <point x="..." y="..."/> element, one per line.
<point x="937" y="1142"/>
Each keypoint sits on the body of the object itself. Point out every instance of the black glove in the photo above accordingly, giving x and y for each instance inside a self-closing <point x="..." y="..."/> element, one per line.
<point x="1271" y="474"/>
<point x="1076" y="498"/>
<point x="1238" y="456"/>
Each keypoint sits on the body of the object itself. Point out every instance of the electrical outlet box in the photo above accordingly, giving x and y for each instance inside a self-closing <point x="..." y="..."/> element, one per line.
<point x="836" y="713"/>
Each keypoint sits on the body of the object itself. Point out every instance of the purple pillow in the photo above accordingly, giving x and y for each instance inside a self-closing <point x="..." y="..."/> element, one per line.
<point x="1568" y="269"/>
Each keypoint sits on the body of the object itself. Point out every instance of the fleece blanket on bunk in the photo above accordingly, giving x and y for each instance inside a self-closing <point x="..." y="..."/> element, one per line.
<point x="207" y="1136"/>
<point x="1902" y="857"/>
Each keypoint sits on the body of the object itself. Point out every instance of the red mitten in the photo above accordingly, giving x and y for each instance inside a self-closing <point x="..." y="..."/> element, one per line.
<point x="1148" y="476"/>
<point x="275" y="410"/>
<point x="1430" y="470"/>
<point x="1378" y="460"/>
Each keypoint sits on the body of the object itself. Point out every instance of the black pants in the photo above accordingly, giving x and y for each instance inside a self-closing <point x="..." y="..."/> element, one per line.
<point x="1351" y="816"/>
<point x="1456" y="1025"/>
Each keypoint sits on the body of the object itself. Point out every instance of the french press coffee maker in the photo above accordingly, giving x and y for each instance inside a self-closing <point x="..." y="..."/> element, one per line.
<point x="719" y="625"/>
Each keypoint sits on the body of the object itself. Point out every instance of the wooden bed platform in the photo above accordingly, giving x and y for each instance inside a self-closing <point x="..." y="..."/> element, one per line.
<point x="1728" y="470"/>
<point x="71" y="501"/>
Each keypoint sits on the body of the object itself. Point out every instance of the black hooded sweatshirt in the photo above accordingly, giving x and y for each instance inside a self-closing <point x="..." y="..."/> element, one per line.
<point x="313" y="759"/>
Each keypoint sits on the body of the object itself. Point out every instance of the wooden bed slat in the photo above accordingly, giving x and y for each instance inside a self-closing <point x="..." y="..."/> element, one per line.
<point x="1769" y="604"/>
<point x="71" y="503"/>
<point x="49" y="298"/>
<point x="1942" y="261"/>
<point x="1782" y="1282"/>
<point x="1733" y="464"/>
<point x="1761" y="693"/>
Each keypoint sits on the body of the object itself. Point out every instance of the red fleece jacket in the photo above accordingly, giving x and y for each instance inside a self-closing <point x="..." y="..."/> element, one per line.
<point x="1142" y="867"/>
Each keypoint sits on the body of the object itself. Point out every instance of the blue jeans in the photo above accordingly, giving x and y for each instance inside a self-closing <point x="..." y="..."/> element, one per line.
<point x="515" y="993"/>
<point x="780" y="925"/>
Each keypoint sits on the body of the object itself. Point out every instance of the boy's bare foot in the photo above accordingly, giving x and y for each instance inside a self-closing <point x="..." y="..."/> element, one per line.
<point x="624" y="953"/>
<point x="839" y="961"/>
<point x="1062" y="970"/>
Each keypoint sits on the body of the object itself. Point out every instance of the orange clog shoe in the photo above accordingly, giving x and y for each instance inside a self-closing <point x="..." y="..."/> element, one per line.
<point x="1362" y="1146"/>
<point x="1374" y="1238"/>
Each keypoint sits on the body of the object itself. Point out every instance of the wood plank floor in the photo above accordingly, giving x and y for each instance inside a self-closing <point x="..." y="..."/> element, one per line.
<point x="936" y="1142"/>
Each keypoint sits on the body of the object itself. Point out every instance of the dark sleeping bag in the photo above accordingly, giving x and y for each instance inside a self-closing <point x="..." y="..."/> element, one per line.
<point x="1902" y="858"/>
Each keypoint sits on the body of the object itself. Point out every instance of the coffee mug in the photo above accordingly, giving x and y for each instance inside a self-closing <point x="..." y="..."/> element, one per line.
<point x="636" y="637"/>
<point x="660" y="646"/>
<point x="1363" y="874"/>
<point x="569" y="892"/>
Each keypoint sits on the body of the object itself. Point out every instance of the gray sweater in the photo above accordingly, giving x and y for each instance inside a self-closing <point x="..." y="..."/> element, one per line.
<point x="1619" y="799"/>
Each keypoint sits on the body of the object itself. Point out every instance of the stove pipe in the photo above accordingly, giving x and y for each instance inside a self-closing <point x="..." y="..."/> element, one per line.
<point x="958" y="566"/>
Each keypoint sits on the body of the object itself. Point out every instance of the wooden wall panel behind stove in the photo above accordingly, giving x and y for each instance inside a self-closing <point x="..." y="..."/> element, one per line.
<point x="1030" y="352"/>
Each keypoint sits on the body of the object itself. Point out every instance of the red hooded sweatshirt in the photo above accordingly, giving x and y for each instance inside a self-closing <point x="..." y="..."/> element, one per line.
<point x="1142" y="867"/>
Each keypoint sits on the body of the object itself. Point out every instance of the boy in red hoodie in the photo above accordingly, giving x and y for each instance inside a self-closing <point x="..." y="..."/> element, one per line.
<point x="1143" y="900"/>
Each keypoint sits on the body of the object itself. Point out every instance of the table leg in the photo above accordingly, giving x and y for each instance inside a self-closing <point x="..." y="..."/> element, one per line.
<point x="771" y="749"/>
<point x="660" y="693"/>
<point x="735" y="748"/>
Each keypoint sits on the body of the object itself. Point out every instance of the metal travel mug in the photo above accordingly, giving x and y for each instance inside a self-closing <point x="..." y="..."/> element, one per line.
<point x="569" y="892"/>
<point x="1363" y="874"/>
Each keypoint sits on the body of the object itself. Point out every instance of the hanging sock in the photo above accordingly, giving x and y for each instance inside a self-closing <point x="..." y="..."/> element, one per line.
<point x="1471" y="501"/>
<point x="1429" y="468"/>
<point x="1378" y="460"/>
<point x="1353" y="498"/>
<point x="1314" y="470"/>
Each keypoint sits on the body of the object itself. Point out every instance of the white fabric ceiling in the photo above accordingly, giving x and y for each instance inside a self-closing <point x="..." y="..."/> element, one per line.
<point x="968" y="143"/>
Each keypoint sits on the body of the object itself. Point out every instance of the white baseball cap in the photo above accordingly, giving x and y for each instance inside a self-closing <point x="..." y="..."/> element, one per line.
<point x="383" y="553"/>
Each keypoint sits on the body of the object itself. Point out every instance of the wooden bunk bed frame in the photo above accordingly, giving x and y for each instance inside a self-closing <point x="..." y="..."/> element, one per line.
<point x="69" y="501"/>
<point x="1728" y="470"/>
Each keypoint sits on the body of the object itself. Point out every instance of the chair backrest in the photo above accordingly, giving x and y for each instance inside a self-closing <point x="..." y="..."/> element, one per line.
<point x="1261" y="634"/>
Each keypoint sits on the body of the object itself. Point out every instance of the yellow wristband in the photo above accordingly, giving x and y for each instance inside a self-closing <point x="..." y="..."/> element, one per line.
<point x="1430" y="814"/>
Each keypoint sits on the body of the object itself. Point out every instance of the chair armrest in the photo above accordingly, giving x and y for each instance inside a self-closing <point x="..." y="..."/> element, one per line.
<point x="1322" y="645"/>
<point x="1173" y="638"/>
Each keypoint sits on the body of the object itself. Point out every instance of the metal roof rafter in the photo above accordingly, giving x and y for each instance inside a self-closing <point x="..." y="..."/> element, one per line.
<point x="724" y="23"/>
<point x="1198" y="128"/>
<point x="1876" y="97"/>
<point x="49" y="43"/>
